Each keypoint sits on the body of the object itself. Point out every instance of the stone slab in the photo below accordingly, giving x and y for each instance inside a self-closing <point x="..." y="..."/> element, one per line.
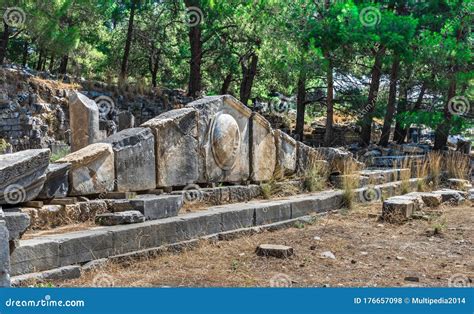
<point x="17" y="223"/>
<point x="262" y="149"/>
<point x="274" y="250"/>
<point x="157" y="207"/>
<point x="285" y="154"/>
<point x="134" y="151"/>
<point x="92" y="170"/>
<point x="22" y="175"/>
<point x="4" y="256"/>
<point x="119" y="218"/>
<point x="57" y="183"/>
<point x="62" y="273"/>
<point x="176" y="147"/>
<point x="35" y="255"/>
<point x="84" y="121"/>
<point x="224" y="145"/>
<point x="269" y="212"/>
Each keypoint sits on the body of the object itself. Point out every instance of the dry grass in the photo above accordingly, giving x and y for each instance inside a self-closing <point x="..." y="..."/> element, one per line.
<point x="407" y="163"/>
<point x="350" y="182"/>
<point x="367" y="252"/>
<point x="456" y="165"/>
<point x="434" y="160"/>
<point x="316" y="177"/>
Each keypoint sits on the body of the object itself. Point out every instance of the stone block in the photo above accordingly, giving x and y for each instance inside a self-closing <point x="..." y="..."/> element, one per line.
<point x="84" y="121"/>
<point x="236" y="216"/>
<point x="57" y="183"/>
<point x="198" y="224"/>
<point x="309" y="162"/>
<point x="129" y="238"/>
<point x="304" y="205"/>
<point x="17" y="223"/>
<point x="92" y="170"/>
<point x="126" y="120"/>
<point x="395" y="209"/>
<point x="35" y="255"/>
<point x="336" y="157"/>
<point x="223" y="132"/>
<point x="269" y="212"/>
<point x="262" y="149"/>
<point x="429" y="199"/>
<point x="84" y="246"/>
<point x="329" y="200"/>
<point x="285" y="154"/>
<point x="176" y="147"/>
<point x="451" y="196"/>
<point x="4" y="256"/>
<point x="119" y="218"/>
<point x="134" y="151"/>
<point x="62" y="273"/>
<point x="22" y="175"/>
<point x="157" y="207"/>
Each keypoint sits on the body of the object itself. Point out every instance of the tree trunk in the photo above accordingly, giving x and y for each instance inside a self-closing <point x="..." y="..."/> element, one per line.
<point x="153" y="64"/>
<point x="25" y="54"/>
<point x="442" y="131"/>
<point x="372" y="98"/>
<point x="51" y="64"/>
<point x="328" y="135"/>
<point x="400" y="132"/>
<point x="195" y="42"/>
<point x="249" y="70"/>
<point x="63" y="64"/>
<point x="40" y="61"/>
<point x="300" y="105"/>
<point x="4" y="43"/>
<point x="226" y="84"/>
<point x="392" y="96"/>
<point x="417" y="105"/>
<point x="128" y="42"/>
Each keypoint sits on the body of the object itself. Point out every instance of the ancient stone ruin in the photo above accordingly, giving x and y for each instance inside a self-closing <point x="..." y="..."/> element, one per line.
<point x="214" y="153"/>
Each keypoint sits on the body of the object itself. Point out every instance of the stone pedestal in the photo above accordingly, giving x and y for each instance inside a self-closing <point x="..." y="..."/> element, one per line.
<point x="92" y="170"/>
<point x="223" y="131"/>
<point x="176" y="147"/>
<point x="134" y="151"/>
<point x="83" y="120"/>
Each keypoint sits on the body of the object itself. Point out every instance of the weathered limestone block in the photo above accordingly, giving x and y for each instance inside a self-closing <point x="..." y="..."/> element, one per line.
<point x="92" y="169"/>
<point x="223" y="130"/>
<point x="126" y="120"/>
<point x="22" y="175"/>
<point x="176" y="147"/>
<point x="263" y="149"/>
<point x="460" y="184"/>
<point x="17" y="223"/>
<point x="4" y="256"/>
<point x="336" y="157"/>
<point x="56" y="184"/>
<point x="285" y="154"/>
<point x="84" y="121"/>
<point x="396" y="209"/>
<point x="429" y="199"/>
<point x="120" y="218"/>
<point x="135" y="162"/>
<point x="308" y="161"/>
<point x="452" y="196"/>
<point x="157" y="207"/>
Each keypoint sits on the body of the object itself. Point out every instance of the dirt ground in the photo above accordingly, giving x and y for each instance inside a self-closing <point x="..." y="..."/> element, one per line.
<point x="367" y="253"/>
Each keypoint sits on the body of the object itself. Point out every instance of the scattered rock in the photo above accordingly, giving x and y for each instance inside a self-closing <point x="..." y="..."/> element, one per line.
<point x="412" y="279"/>
<point x="84" y="121"/>
<point x="275" y="250"/>
<point x="328" y="254"/>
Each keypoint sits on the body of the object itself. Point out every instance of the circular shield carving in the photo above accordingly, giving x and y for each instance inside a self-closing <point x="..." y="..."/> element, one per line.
<point x="225" y="141"/>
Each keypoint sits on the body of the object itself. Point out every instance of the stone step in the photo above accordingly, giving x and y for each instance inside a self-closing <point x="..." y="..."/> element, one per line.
<point x="120" y="218"/>
<point x="58" y="250"/>
<point x="150" y="205"/>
